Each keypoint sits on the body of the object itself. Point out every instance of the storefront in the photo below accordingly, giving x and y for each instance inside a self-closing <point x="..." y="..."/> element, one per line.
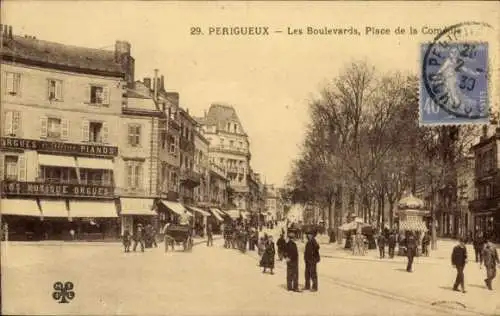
<point x="200" y="220"/>
<point x="488" y="224"/>
<point x="134" y="211"/>
<point x="171" y="211"/>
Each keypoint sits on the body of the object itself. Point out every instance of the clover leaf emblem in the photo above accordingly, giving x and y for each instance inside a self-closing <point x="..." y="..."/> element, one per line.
<point x="63" y="293"/>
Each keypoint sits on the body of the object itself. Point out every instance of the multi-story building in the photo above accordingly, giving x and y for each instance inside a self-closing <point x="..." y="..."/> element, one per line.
<point x="485" y="208"/>
<point x="139" y="186"/>
<point x="60" y="118"/>
<point x="229" y="147"/>
<point x="273" y="203"/>
<point x="202" y="167"/>
<point x="189" y="179"/>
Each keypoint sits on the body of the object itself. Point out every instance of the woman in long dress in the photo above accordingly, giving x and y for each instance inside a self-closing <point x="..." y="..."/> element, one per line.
<point x="267" y="260"/>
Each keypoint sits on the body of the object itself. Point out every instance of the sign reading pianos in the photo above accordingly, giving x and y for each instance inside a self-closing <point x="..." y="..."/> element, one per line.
<point x="56" y="189"/>
<point x="58" y="147"/>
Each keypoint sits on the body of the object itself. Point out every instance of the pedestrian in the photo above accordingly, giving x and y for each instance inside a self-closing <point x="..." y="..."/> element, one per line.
<point x="292" y="264"/>
<point x="166" y="238"/>
<point x="411" y="250"/>
<point x="381" y="245"/>
<point x="478" y="244"/>
<point x="281" y="243"/>
<point x="210" y="237"/>
<point x="153" y="236"/>
<point x="459" y="259"/>
<point x="267" y="260"/>
<point x="391" y="244"/>
<point x="126" y="240"/>
<point x="489" y="257"/>
<point x="426" y="240"/>
<point x="139" y="237"/>
<point x="311" y="260"/>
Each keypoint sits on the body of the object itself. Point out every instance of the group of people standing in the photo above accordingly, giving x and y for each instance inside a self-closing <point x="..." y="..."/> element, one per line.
<point x="143" y="236"/>
<point x="487" y="255"/>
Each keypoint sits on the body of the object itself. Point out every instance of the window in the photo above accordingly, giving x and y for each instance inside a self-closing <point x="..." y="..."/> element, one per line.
<point x="10" y="168"/>
<point x="12" y="123"/>
<point x="95" y="132"/>
<point x="231" y="143"/>
<point x="134" y="135"/>
<point x="12" y="83"/>
<point x="163" y="139"/>
<point x="134" y="174"/>
<point x="54" y="90"/>
<point x="228" y="127"/>
<point x="172" y="144"/>
<point x="235" y="128"/>
<point x="241" y="145"/>
<point x="53" y="127"/>
<point x="98" y="95"/>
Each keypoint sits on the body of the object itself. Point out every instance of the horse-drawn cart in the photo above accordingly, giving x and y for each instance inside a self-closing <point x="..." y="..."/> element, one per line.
<point x="177" y="234"/>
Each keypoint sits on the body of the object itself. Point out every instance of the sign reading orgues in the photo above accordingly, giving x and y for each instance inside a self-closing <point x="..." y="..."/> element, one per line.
<point x="49" y="189"/>
<point x="58" y="147"/>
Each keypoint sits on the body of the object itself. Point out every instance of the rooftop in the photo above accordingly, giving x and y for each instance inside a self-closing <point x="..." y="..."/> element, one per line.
<point x="219" y="115"/>
<point x="28" y="49"/>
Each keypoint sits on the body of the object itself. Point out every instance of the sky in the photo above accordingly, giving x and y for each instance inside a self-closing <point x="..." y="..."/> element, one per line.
<point x="269" y="80"/>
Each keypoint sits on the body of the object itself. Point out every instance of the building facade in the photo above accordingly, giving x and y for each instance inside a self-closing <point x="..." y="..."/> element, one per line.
<point x="273" y="202"/>
<point x="485" y="208"/>
<point x="138" y="185"/>
<point x="189" y="179"/>
<point x="60" y="120"/>
<point x="229" y="147"/>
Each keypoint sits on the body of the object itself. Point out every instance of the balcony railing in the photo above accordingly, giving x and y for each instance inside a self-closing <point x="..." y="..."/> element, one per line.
<point x="190" y="177"/>
<point x="229" y="149"/>
<point x="483" y="204"/>
<point x="74" y="181"/>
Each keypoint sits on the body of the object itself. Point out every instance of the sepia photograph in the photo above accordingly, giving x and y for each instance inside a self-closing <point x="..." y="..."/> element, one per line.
<point x="250" y="158"/>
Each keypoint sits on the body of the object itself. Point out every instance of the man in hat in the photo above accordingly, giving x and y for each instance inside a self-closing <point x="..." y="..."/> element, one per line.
<point x="411" y="250"/>
<point x="292" y="264"/>
<point x="139" y="237"/>
<point x="311" y="259"/>
<point x="381" y="244"/>
<point x="489" y="257"/>
<point x="459" y="259"/>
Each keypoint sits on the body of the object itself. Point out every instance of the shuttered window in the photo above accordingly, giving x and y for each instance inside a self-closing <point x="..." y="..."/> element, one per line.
<point x="12" y="123"/>
<point x="134" y="135"/>
<point x="12" y="83"/>
<point x="98" y="95"/>
<point x="55" y="92"/>
<point x="134" y="174"/>
<point x="10" y="167"/>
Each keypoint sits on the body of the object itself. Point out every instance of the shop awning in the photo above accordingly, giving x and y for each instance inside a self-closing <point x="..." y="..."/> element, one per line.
<point x="199" y="210"/>
<point x="56" y="160"/>
<point x="103" y="209"/>
<point x="21" y="207"/>
<point x="51" y="208"/>
<point x="130" y="206"/>
<point x="412" y="226"/>
<point x="234" y="214"/>
<point x="175" y="207"/>
<point x="217" y="214"/>
<point x="95" y="163"/>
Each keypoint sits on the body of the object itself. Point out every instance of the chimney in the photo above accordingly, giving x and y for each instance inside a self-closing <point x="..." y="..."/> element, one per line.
<point x="10" y="31"/>
<point x="162" y="82"/>
<point x="205" y="113"/>
<point x="156" y="85"/>
<point x="123" y="57"/>
<point x="147" y="82"/>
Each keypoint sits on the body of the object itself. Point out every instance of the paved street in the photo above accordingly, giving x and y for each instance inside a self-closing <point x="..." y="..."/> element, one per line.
<point x="218" y="281"/>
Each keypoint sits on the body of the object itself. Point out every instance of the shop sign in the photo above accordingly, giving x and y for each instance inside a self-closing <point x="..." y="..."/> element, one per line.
<point x="58" y="147"/>
<point x="51" y="189"/>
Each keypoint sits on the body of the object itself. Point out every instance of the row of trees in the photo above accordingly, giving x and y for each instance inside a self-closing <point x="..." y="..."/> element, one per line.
<point x="364" y="141"/>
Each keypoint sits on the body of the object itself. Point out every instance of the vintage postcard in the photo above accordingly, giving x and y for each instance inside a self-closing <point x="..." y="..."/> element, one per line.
<point x="249" y="158"/>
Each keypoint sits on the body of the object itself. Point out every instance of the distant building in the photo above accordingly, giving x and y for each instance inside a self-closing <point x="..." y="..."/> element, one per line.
<point x="229" y="147"/>
<point x="274" y="203"/>
<point x="465" y="192"/>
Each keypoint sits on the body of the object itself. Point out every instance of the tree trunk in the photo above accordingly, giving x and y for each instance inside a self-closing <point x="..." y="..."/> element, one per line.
<point x="391" y="214"/>
<point x="382" y="211"/>
<point x="340" y="196"/>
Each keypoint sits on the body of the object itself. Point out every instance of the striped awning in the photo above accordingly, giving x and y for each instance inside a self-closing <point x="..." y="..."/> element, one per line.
<point x="218" y="214"/>
<point x="199" y="210"/>
<point x="412" y="226"/>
